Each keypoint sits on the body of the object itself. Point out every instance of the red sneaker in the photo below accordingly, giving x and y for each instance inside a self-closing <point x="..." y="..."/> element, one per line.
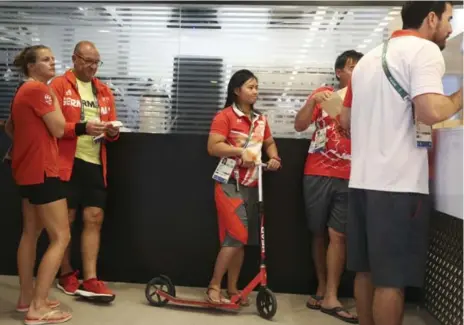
<point x="69" y="283"/>
<point x="96" y="290"/>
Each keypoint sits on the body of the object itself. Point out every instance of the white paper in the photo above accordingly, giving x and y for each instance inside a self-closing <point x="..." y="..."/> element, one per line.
<point x="333" y="105"/>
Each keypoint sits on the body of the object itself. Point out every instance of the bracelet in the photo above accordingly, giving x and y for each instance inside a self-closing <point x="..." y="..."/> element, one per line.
<point x="277" y="158"/>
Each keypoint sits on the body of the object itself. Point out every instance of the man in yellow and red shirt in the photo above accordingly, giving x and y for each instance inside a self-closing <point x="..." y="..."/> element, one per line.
<point x="89" y="108"/>
<point x="326" y="175"/>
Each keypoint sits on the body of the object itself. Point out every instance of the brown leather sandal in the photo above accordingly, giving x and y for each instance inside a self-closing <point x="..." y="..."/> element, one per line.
<point x="244" y="302"/>
<point x="221" y="299"/>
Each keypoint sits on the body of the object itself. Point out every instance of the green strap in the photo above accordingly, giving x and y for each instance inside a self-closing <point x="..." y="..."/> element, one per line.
<point x="390" y="77"/>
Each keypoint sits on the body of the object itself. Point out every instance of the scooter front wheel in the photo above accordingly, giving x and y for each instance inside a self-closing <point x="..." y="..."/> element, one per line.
<point x="266" y="303"/>
<point x="161" y="283"/>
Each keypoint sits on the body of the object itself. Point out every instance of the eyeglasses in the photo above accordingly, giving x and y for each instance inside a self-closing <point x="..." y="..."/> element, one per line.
<point x="89" y="62"/>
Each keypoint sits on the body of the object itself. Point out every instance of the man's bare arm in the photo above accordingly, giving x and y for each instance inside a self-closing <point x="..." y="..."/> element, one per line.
<point x="435" y="108"/>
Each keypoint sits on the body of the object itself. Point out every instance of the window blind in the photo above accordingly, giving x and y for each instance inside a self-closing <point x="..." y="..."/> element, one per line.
<point x="168" y="65"/>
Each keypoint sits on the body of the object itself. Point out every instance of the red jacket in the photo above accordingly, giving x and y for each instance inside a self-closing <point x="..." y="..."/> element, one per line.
<point x="66" y="91"/>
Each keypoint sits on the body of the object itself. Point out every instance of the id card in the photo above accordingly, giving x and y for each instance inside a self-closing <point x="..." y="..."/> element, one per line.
<point x="319" y="142"/>
<point x="423" y="135"/>
<point x="224" y="169"/>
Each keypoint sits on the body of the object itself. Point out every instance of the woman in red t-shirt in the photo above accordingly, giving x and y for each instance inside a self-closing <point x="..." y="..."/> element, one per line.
<point x="238" y="135"/>
<point x="36" y="121"/>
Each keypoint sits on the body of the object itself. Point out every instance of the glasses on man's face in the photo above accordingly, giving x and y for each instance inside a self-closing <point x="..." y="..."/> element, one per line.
<point x="89" y="62"/>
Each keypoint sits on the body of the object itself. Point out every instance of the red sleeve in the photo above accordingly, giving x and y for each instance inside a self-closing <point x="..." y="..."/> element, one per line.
<point x="317" y="108"/>
<point x="70" y="127"/>
<point x="40" y="99"/>
<point x="349" y="96"/>
<point x="267" y="131"/>
<point x="220" y="124"/>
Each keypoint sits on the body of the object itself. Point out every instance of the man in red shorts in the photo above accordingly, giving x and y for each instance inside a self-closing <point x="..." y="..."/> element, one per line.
<point x="89" y="107"/>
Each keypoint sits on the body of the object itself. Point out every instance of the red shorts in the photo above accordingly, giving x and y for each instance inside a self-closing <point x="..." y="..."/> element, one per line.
<point x="238" y="215"/>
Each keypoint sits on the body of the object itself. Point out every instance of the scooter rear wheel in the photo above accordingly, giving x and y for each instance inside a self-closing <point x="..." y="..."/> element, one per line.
<point x="162" y="283"/>
<point x="266" y="303"/>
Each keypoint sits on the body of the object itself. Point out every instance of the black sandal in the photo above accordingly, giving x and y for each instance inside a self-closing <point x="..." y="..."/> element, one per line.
<point x="335" y="313"/>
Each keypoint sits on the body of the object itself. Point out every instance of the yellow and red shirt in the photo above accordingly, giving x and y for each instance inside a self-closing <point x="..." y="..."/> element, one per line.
<point x="236" y="126"/>
<point x="35" y="149"/>
<point x="335" y="159"/>
<point x="67" y="92"/>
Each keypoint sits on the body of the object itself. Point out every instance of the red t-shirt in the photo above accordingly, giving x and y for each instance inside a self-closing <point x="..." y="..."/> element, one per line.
<point x="334" y="159"/>
<point x="35" y="150"/>
<point x="235" y="126"/>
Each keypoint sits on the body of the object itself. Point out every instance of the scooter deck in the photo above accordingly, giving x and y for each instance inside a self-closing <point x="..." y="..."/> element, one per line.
<point x="197" y="303"/>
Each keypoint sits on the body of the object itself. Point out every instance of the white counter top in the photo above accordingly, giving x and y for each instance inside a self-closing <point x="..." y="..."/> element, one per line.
<point x="449" y="167"/>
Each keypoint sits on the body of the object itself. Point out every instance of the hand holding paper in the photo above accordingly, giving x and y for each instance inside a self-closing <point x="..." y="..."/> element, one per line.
<point x="111" y="128"/>
<point x="333" y="105"/>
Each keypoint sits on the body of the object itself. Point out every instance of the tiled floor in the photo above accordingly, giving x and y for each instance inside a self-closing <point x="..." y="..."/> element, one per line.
<point x="131" y="308"/>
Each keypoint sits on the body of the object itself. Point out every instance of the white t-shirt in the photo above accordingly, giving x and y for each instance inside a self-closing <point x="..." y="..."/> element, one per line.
<point x="384" y="155"/>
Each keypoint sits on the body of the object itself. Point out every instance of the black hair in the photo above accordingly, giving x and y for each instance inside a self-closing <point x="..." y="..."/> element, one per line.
<point x="341" y="60"/>
<point x="26" y="56"/>
<point x="237" y="81"/>
<point x="413" y="13"/>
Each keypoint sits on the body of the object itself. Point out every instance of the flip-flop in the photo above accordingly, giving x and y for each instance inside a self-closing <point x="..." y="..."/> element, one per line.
<point x="335" y="313"/>
<point x="316" y="306"/>
<point x="244" y="303"/>
<point x="221" y="300"/>
<point x="45" y="319"/>
<point x="24" y="308"/>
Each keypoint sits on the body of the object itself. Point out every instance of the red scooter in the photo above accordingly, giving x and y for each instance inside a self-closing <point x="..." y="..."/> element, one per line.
<point x="160" y="290"/>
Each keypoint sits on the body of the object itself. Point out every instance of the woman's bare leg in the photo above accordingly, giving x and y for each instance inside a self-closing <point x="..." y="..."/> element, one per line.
<point x="32" y="228"/>
<point x="223" y="261"/>
<point x="54" y="217"/>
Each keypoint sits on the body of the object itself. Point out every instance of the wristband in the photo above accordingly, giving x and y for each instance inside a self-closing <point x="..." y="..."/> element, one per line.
<point x="80" y="128"/>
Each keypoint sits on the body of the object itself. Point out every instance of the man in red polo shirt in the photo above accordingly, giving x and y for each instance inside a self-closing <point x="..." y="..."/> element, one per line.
<point x="325" y="185"/>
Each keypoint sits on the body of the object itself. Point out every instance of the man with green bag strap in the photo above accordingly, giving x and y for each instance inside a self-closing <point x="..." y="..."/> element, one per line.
<point x="394" y="97"/>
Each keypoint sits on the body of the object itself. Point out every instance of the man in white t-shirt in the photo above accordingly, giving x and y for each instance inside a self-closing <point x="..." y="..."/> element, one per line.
<point x="388" y="200"/>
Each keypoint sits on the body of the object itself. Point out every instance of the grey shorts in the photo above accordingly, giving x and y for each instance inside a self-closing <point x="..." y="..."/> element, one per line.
<point x="326" y="203"/>
<point x="387" y="235"/>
